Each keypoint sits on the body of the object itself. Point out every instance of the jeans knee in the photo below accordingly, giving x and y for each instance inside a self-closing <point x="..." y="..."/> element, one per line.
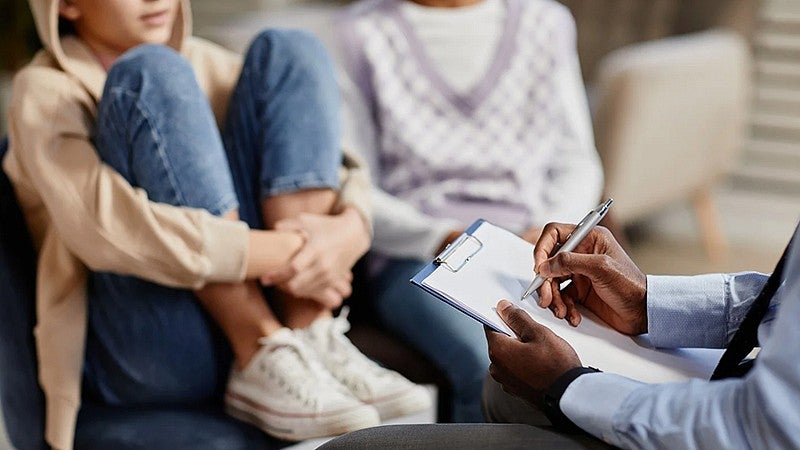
<point x="158" y="66"/>
<point x="296" y="52"/>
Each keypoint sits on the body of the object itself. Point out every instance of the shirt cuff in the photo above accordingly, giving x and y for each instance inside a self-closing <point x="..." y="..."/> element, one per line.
<point x="686" y="311"/>
<point x="591" y="401"/>
<point x="226" y="247"/>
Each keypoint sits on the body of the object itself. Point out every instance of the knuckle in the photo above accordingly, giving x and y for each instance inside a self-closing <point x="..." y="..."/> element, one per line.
<point x="329" y="297"/>
<point x="295" y="266"/>
<point x="562" y="261"/>
<point x="549" y="228"/>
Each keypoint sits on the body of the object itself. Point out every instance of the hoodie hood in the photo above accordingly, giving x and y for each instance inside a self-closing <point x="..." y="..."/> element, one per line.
<point x="75" y="58"/>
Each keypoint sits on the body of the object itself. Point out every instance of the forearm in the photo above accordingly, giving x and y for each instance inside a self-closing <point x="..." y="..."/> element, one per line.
<point x="733" y="413"/>
<point x="355" y="229"/>
<point x="269" y="251"/>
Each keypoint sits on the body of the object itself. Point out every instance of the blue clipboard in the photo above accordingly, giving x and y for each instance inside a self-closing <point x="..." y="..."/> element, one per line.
<point x="454" y="257"/>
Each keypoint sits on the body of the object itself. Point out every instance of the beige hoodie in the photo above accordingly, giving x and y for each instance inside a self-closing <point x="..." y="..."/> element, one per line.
<point x="84" y="216"/>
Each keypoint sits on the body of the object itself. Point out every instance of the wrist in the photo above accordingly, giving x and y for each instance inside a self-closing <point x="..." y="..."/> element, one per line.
<point x="551" y="398"/>
<point x="356" y="231"/>
<point x="642" y="323"/>
<point x="355" y="218"/>
<point x="271" y="250"/>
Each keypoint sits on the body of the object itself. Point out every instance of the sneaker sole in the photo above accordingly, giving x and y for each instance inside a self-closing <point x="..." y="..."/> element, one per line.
<point x="298" y="426"/>
<point x="402" y="403"/>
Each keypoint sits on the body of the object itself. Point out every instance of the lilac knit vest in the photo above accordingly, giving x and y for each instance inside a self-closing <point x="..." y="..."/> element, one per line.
<point x="487" y="152"/>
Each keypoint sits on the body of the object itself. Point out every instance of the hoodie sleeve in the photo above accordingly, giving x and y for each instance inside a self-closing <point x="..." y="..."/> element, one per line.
<point x="101" y="218"/>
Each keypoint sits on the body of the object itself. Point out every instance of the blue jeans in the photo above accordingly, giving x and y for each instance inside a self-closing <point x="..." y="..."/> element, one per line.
<point x="451" y="340"/>
<point x="153" y="345"/>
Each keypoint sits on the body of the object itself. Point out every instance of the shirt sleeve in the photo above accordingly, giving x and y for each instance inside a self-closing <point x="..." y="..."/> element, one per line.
<point x="355" y="188"/>
<point x="578" y="182"/>
<point x="757" y="411"/>
<point x="100" y="217"/>
<point x="701" y="311"/>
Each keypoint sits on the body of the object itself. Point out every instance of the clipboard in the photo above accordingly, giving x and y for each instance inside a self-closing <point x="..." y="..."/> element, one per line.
<point x="455" y="257"/>
<point x="488" y="263"/>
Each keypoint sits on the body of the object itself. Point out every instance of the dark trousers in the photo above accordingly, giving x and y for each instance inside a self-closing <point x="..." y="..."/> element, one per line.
<point x="516" y="424"/>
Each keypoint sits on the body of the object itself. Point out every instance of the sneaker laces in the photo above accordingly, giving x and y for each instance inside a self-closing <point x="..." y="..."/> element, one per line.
<point x="296" y="370"/>
<point x="353" y="367"/>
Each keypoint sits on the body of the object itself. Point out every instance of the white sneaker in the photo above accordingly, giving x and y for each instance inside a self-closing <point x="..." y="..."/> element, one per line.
<point x="388" y="391"/>
<point x="287" y="393"/>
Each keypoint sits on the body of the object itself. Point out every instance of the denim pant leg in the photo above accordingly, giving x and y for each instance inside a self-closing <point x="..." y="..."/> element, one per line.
<point x="456" y="344"/>
<point x="282" y="133"/>
<point x="146" y="343"/>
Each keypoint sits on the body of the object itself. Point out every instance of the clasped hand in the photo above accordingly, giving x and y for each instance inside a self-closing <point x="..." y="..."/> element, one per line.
<point x="321" y="269"/>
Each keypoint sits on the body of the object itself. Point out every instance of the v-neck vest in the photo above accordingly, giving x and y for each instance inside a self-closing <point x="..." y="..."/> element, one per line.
<point x="491" y="149"/>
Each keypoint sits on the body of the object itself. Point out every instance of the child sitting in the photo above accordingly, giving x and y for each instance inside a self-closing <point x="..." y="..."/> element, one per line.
<point x="149" y="223"/>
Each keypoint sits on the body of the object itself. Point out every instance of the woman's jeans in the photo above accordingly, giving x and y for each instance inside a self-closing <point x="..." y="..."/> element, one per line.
<point x="153" y="345"/>
<point x="453" y="341"/>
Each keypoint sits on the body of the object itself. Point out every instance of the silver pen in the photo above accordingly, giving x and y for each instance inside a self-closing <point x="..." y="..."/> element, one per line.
<point x="581" y="230"/>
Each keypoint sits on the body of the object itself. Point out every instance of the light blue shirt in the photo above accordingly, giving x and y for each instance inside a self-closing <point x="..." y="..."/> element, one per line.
<point x="759" y="411"/>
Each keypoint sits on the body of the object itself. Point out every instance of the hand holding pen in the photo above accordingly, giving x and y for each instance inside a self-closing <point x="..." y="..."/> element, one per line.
<point x="603" y="277"/>
<point x="575" y="237"/>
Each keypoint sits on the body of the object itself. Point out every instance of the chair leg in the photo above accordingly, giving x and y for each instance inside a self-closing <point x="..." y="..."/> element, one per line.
<point x="712" y="234"/>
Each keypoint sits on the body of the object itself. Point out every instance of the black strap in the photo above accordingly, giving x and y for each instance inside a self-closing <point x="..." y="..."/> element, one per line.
<point x="552" y="398"/>
<point x="746" y="337"/>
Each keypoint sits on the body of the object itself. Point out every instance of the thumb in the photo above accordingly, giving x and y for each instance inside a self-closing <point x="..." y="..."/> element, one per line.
<point x="520" y="322"/>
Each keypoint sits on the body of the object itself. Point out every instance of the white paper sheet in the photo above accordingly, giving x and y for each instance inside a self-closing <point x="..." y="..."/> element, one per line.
<point x="503" y="268"/>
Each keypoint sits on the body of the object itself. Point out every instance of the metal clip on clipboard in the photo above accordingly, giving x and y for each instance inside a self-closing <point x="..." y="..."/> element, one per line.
<point x="458" y="253"/>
